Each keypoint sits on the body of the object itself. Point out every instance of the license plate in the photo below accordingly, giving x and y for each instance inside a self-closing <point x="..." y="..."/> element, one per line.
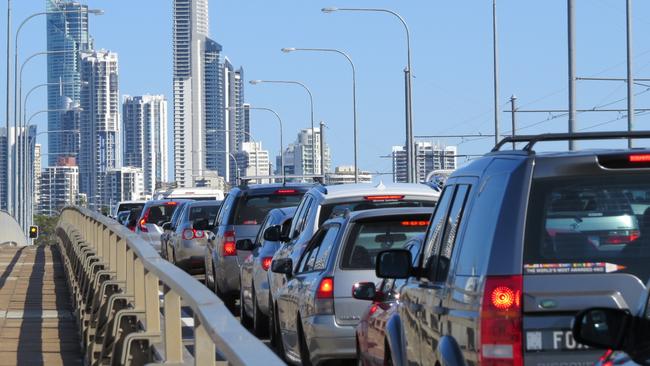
<point x="552" y="340"/>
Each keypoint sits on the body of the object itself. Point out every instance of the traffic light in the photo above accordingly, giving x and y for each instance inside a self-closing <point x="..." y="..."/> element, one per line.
<point x="33" y="232"/>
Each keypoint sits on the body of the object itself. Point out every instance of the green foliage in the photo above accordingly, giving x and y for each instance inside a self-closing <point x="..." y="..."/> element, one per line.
<point x="47" y="229"/>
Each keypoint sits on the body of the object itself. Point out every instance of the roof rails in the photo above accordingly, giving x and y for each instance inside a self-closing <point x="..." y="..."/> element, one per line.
<point x="533" y="139"/>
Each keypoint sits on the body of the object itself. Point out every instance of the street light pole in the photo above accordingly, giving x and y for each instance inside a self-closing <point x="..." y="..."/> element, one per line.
<point x="572" y="69"/>
<point x="281" y="133"/>
<point x="354" y="96"/>
<point x="410" y="153"/>
<point x="9" y="167"/>
<point x="495" y="65"/>
<point x="630" y="77"/>
<point x="311" y="104"/>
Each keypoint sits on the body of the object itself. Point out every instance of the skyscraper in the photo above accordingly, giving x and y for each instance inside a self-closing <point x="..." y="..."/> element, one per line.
<point x="59" y="186"/>
<point x="37" y="169"/>
<point x="252" y="160"/>
<point x="144" y="121"/>
<point x="428" y="157"/>
<point x="99" y="127"/>
<point x="232" y="131"/>
<point x="124" y="184"/>
<point x="195" y="88"/>
<point x="67" y="36"/>
<point x="298" y="156"/>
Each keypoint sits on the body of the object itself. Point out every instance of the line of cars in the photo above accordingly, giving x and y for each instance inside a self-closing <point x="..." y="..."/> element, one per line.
<point x="498" y="273"/>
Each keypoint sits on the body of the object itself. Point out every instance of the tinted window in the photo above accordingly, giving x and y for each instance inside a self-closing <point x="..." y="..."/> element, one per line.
<point x="315" y="258"/>
<point x="481" y="225"/>
<point x="339" y="209"/>
<point x="438" y="222"/>
<point x="160" y="214"/>
<point x="587" y="225"/>
<point x="300" y="212"/>
<point x="251" y="210"/>
<point x="203" y="212"/>
<point x="444" y="250"/>
<point x="129" y="206"/>
<point x="367" y="239"/>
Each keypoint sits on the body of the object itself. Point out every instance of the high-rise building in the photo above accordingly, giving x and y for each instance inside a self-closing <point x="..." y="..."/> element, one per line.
<point x="252" y="160"/>
<point x="67" y="36"/>
<point x="59" y="186"/>
<point x="144" y="120"/>
<point x="196" y="94"/>
<point x="429" y="157"/>
<point x="345" y="175"/>
<point x="298" y="155"/>
<point x="232" y="131"/>
<point x="124" y="184"/>
<point x="37" y="168"/>
<point x="99" y="127"/>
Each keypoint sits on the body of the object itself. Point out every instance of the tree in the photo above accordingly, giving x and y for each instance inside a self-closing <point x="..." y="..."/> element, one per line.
<point x="47" y="229"/>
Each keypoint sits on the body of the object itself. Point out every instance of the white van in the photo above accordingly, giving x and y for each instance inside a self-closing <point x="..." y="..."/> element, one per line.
<point x="193" y="193"/>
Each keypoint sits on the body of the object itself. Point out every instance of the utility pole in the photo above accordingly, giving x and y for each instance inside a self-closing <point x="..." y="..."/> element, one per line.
<point x="513" y="110"/>
<point x="572" y="67"/>
<point x="9" y="187"/>
<point x="322" y="149"/>
<point x="495" y="62"/>
<point x="630" y="78"/>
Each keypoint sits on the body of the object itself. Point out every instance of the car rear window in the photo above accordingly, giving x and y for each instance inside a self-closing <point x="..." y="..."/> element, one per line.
<point x="589" y="225"/>
<point x="128" y="206"/>
<point x="251" y="210"/>
<point x="329" y="211"/>
<point x="160" y="214"/>
<point x="204" y="212"/>
<point x="369" y="238"/>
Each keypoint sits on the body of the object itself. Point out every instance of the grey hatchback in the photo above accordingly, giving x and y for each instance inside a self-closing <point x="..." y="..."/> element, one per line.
<point x="317" y="314"/>
<point x="513" y="253"/>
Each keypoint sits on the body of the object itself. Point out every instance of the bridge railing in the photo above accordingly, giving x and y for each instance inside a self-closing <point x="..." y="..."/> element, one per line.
<point x="116" y="279"/>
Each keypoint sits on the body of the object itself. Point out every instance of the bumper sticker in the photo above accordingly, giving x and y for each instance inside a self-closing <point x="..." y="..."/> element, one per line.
<point x="584" y="267"/>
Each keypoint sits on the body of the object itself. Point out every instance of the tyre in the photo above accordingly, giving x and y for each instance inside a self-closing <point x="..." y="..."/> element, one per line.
<point x="304" y="350"/>
<point x="209" y="273"/>
<point x="260" y="320"/>
<point x="245" y="320"/>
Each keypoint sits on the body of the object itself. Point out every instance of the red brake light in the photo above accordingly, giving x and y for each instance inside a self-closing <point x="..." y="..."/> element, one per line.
<point x="501" y="321"/>
<point x="386" y="197"/>
<point x="415" y="223"/>
<point x="286" y="191"/>
<point x="624" y="237"/>
<point x="143" y="221"/>
<point x="266" y="263"/>
<point x="639" y="158"/>
<point x="229" y="247"/>
<point x="171" y="203"/>
<point x="325" y="289"/>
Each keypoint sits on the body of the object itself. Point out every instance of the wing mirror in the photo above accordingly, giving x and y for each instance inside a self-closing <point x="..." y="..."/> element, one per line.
<point x="394" y="264"/>
<point x="167" y="226"/>
<point x="273" y="233"/>
<point x="364" y="291"/>
<point x="602" y="327"/>
<point x="283" y="266"/>
<point x="245" y="244"/>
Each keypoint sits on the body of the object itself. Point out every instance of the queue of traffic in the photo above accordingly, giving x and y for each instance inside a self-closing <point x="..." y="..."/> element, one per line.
<point x="521" y="258"/>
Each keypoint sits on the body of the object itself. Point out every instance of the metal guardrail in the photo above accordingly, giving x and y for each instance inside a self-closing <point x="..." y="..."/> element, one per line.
<point x="115" y="278"/>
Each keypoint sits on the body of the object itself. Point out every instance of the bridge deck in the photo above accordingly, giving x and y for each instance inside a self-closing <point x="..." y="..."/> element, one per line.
<point x="37" y="326"/>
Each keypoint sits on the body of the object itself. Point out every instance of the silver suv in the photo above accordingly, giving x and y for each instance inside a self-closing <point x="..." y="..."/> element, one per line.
<point x="322" y="203"/>
<point x="317" y="313"/>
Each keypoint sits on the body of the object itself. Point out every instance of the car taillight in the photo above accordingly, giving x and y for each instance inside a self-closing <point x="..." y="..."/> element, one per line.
<point x="325" y="289"/>
<point x="639" y="158"/>
<point x="622" y="237"/>
<point x="385" y="197"/>
<point x="501" y="321"/>
<point x="143" y="221"/>
<point x="415" y="223"/>
<point x="266" y="263"/>
<point x="286" y="191"/>
<point x="229" y="247"/>
<point x="189" y="234"/>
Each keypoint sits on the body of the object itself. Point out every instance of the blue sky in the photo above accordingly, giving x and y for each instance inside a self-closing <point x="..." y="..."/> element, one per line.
<point x="452" y="64"/>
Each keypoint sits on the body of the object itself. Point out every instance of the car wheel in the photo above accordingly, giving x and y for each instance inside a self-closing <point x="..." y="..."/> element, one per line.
<point x="163" y="251"/>
<point x="388" y="357"/>
<point x="209" y="273"/>
<point x="260" y="321"/>
<point x="245" y="320"/>
<point x="304" y="350"/>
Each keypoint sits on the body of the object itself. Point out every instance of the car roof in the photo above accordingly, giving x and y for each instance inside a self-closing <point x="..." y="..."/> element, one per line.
<point x="208" y="203"/>
<point x="361" y="189"/>
<point x="272" y="187"/>
<point x="379" y="212"/>
<point x="161" y="202"/>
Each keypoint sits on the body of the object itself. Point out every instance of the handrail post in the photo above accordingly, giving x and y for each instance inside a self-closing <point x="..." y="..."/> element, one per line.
<point x="120" y="248"/>
<point x="130" y="280"/>
<point x="138" y="281"/>
<point x="204" y="348"/>
<point x="152" y="303"/>
<point x="173" y="335"/>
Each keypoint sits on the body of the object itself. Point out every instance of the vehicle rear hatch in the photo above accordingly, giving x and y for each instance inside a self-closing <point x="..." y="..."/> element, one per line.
<point x="585" y="246"/>
<point x="253" y="206"/>
<point x="357" y="255"/>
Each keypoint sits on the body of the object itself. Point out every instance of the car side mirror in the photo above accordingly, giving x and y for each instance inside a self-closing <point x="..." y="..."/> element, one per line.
<point x="245" y="244"/>
<point x="394" y="264"/>
<point x="273" y="233"/>
<point x="602" y="327"/>
<point x="201" y="224"/>
<point x="167" y="226"/>
<point x="364" y="291"/>
<point x="283" y="266"/>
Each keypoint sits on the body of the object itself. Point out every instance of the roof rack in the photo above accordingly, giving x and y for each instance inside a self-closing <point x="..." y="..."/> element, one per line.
<point x="533" y="139"/>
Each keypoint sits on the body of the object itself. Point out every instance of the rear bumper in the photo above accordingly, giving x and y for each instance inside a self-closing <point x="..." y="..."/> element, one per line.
<point x="194" y="265"/>
<point x="327" y="340"/>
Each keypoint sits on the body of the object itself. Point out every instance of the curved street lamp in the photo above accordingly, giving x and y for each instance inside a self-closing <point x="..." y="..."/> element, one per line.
<point x="311" y="104"/>
<point x="354" y="95"/>
<point x="247" y="134"/>
<point x="410" y="152"/>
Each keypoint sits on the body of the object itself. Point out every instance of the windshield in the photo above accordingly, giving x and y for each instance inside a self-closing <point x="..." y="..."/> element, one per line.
<point x="251" y="210"/>
<point x="588" y="225"/>
<point x="338" y="209"/>
<point x="369" y="238"/>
